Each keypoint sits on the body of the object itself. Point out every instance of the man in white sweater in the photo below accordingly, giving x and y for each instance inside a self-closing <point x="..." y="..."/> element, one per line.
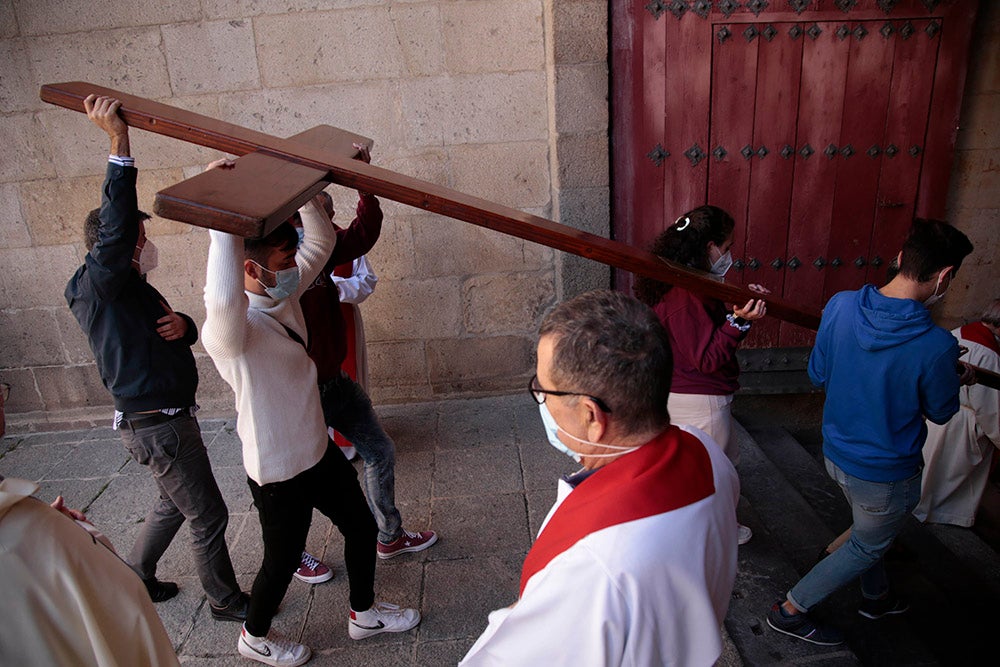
<point x="255" y="334"/>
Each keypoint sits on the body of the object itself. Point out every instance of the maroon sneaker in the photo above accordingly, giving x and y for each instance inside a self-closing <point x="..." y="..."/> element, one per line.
<point x="407" y="543"/>
<point x="312" y="570"/>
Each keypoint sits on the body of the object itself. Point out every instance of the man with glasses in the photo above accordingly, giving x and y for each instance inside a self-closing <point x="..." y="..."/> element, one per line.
<point x="635" y="562"/>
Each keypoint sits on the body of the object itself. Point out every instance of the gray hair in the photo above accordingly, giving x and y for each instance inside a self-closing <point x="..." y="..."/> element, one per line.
<point x="611" y="346"/>
<point x="992" y="313"/>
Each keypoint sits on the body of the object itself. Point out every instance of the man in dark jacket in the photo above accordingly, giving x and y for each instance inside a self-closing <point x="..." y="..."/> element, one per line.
<point x="143" y="352"/>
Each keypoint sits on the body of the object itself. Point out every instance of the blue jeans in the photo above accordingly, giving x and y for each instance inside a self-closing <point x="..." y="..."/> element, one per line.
<point x="879" y="510"/>
<point x="176" y="456"/>
<point x="348" y="410"/>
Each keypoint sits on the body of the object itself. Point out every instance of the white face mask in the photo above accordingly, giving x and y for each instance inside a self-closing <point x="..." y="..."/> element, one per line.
<point x="552" y="432"/>
<point x="148" y="257"/>
<point x="721" y="265"/>
<point x="934" y="298"/>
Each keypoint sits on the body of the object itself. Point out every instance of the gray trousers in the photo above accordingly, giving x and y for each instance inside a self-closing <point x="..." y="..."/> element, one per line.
<point x="174" y="452"/>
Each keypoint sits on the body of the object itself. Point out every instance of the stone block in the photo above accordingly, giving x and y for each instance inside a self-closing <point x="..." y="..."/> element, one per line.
<point x="72" y="16"/>
<point x="426" y="163"/>
<point x="417" y="27"/>
<point x="30" y="338"/>
<point x="367" y="108"/>
<point x="8" y="21"/>
<point x="582" y="98"/>
<point x="447" y="652"/>
<point x="392" y="258"/>
<point x="24" y="394"/>
<point x="348" y="45"/>
<point x="211" y="56"/>
<point x="36" y="277"/>
<point x="507" y="302"/>
<point x="980" y="124"/>
<point x="450" y="247"/>
<point x="580" y="31"/>
<point x="18" y="88"/>
<point x="587" y="209"/>
<point x="396" y="363"/>
<point x="460" y="594"/>
<point x="64" y="387"/>
<point x="180" y="275"/>
<point x="475" y="108"/>
<point x="13" y="229"/>
<point x="583" y="160"/>
<point x="130" y="60"/>
<point x="100" y="458"/>
<point x="458" y="365"/>
<point x="493" y="36"/>
<point x="512" y="174"/>
<point x="214" y="394"/>
<point x="75" y="346"/>
<point x="414" y="309"/>
<point x="479" y="526"/>
<point x="483" y="422"/>
<point x="236" y="8"/>
<point x="975" y="179"/>
<point x="22" y="135"/>
<point x="54" y="209"/>
<point x="460" y="472"/>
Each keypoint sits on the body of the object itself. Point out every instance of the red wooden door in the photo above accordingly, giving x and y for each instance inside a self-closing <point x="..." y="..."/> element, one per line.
<point x="822" y="127"/>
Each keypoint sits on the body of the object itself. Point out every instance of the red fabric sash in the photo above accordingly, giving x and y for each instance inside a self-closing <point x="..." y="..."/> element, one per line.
<point x="669" y="472"/>
<point x="978" y="333"/>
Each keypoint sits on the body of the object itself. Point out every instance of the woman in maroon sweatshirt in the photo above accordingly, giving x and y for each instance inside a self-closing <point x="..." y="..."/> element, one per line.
<point x="704" y="332"/>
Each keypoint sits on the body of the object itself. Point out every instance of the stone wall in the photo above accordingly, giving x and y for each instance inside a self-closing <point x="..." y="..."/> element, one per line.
<point x="504" y="99"/>
<point x="974" y="195"/>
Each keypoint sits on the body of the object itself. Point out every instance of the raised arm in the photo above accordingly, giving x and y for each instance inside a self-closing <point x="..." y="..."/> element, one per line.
<point x="109" y="259"/>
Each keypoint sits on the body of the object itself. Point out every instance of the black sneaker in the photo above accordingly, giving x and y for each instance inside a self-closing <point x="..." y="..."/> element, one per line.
<point x="234" y="611"/>
<point x="160" y="591"/>
<point x="886" y="606"/>
<point x="802" y="627"/>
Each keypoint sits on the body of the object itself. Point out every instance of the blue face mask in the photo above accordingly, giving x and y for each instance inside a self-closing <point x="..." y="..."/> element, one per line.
<point x="302" y="234"/>
<point x="552" y="432"/>
<point x="286" y="282"/>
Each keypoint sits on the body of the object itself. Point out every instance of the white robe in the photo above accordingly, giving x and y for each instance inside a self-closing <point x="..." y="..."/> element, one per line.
<point x="957" y="454"/>
<point x="649" y="591"/>
<point x="66" y="598"/>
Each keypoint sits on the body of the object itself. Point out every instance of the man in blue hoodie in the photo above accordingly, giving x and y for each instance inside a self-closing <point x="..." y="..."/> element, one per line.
<point x="885" y="367"/>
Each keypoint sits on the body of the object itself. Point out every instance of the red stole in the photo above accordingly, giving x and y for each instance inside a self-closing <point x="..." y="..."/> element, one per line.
<point x="671" y="471"/>
<point x="977" y="333"/>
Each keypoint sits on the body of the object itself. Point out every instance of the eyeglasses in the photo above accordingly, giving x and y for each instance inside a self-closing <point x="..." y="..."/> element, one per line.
<point x="539" y="394"/>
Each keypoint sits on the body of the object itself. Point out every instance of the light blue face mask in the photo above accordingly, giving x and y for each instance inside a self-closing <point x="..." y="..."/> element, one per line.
<point x="302" y="235"/>
<point x="552" y="433"/>
<point x="286" y="282"/>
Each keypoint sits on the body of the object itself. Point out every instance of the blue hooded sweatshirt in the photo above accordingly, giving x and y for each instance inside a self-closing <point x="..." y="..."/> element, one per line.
<point x="885" y="366"/>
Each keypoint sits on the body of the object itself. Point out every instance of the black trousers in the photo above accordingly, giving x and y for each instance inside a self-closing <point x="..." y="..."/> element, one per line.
<point x="285" y="512"/>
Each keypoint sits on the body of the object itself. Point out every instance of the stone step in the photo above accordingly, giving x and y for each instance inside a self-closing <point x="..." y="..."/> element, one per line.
<point x="779" y="516"/>
<point x="949" y="575"/>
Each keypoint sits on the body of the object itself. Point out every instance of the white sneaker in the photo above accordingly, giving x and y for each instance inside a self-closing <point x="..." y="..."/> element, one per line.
<point x="276" y="652"/>
<point x="382" y="617"/>
<point x="744" y="534"/>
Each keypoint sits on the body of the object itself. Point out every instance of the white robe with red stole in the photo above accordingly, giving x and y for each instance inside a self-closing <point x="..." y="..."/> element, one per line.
<point x="633" y="567"/>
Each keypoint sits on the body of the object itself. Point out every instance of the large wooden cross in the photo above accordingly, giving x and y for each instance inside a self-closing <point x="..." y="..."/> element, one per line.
<point x="275" y="176"/>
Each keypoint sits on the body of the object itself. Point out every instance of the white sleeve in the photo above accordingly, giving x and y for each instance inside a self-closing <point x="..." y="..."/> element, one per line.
<point x="317" y="244"/>
<point x="225" y="300"/>
<point x="359" y="285"/>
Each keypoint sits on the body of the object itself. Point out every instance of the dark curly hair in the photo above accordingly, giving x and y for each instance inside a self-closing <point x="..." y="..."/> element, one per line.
<point x="685" y="242"/>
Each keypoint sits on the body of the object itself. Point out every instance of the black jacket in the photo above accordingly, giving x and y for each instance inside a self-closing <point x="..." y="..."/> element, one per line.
<point x="118" y="310"/>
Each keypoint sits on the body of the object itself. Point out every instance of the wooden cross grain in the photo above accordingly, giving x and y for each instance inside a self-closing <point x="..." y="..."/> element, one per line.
<point x="275" y="176"/>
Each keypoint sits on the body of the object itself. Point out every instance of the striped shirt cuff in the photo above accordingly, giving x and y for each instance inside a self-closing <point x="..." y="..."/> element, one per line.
<point x="121" y="160"/>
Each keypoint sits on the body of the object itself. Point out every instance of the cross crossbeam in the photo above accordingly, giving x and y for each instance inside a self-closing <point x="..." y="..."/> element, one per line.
<point x="286" y="167"/>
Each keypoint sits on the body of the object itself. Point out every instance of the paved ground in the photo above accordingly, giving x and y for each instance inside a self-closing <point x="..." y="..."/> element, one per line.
<point x="477" y="471"/>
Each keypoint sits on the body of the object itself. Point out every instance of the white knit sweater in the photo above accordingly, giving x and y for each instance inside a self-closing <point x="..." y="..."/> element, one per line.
<point x="279" y="418"/>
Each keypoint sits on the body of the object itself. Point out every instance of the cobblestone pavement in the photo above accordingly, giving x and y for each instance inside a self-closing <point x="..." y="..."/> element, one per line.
<point x="477" y="471"/>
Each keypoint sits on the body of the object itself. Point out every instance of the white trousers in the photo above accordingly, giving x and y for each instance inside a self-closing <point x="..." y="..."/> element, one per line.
<point x="712" y="414"/>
